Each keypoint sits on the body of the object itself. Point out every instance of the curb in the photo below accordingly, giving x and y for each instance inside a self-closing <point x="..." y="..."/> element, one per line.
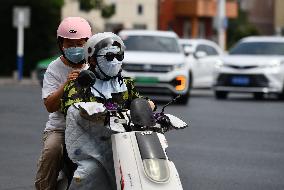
<point x="24" y="81"/>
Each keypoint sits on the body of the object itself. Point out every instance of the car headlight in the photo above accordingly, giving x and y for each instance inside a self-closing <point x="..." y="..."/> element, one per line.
<point x="219" y="64"/>
<point x="179" y="66"/>
<point x="272" y="64"/>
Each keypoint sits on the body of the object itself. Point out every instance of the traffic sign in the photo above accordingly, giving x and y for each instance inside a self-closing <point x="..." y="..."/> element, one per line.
<point x="21" y="16"/>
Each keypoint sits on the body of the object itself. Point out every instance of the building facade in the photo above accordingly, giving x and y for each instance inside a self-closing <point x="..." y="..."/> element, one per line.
<point x="279" y="17"/>
<point x="266" y="15"/>
<point x="260" y="14"/>
<point x="192" y="18"/>
<point x="129" y="14"/>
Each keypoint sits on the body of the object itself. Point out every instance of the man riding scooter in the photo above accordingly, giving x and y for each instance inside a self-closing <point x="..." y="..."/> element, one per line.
<point x="72" y="34"/>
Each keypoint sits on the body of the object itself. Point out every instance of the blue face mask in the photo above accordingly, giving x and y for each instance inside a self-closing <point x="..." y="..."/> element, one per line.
<point x="74" y="54"/>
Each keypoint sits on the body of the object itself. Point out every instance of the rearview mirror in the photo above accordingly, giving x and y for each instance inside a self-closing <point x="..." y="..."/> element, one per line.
<point x="200" y="54"/>
<point x="176" y="122"/>
<point x="188" y="50"/>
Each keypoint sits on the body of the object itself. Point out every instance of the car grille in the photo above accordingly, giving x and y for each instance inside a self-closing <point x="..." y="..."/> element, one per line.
<point x="157" y="89"/>
<point x="147" y="68"/>
<point x="154" y="90"/>
<point x="242" y="67"/>
<point x="257" y="80"/>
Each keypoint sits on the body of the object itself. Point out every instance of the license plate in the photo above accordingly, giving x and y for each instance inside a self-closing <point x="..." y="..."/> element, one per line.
<point x="243" y="81"/>
<point x="146" y="80"/>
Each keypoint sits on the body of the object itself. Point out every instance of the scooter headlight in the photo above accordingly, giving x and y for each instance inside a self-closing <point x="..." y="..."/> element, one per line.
<point x="157" y="170"/>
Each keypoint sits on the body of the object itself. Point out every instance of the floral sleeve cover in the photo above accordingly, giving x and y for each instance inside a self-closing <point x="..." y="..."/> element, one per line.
<point x="73" y="93"/>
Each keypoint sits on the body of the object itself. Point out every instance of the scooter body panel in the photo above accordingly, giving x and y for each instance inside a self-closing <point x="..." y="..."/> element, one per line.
<point x="129" y="164"/>
<point x="125" y="164"/>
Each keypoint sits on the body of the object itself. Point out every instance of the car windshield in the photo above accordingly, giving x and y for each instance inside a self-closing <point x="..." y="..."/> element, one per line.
<point x="187" y="45"/>
<point x="258" y="48"/>
<point x="151" y="43"/>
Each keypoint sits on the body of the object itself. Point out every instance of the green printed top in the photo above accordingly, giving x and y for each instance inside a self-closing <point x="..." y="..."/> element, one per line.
<point x="73" y="93"/>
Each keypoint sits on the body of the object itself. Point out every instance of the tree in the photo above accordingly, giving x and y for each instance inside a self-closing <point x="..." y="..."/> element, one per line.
<point x="107" y="11"/>
<point x="240" y="28"/>
<point x="88" y="5"/>
<point x="40" y="37"/>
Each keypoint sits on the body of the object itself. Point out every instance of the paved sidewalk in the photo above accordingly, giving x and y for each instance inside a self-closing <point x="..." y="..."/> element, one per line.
<point x="24" y="81"/>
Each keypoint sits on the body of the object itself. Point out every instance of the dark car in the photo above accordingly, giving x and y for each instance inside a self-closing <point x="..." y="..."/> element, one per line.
<point x="42" y="66"/>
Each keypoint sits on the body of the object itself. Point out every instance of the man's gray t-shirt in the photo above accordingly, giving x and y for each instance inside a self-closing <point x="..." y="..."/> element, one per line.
<point x="55" y="75"/>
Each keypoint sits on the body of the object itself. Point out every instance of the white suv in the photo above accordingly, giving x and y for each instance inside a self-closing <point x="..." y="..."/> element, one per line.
<point x="255" y="65"/>
<point x="201" y="57"/>
<point x="157" y="63"/>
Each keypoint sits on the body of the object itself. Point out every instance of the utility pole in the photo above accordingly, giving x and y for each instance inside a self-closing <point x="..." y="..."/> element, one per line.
<point x="222" y="23"/>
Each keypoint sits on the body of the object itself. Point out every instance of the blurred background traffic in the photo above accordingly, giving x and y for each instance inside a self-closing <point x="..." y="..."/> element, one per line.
<point x="203" y="50"/>
<point x="206" y="29"/>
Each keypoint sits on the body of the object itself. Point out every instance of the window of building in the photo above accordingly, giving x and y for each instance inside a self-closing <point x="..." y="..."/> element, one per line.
<point x="187" y="29"/>
<point x="140" y="9"/>
<point x="201" y="29"/>
<point x="139" y="26"/>
<point x="113" y="27"/>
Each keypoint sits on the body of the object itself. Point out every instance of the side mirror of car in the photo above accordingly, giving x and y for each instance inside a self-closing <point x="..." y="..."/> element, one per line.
<point x="188" y="50"/>
<point x="200" y="54"/>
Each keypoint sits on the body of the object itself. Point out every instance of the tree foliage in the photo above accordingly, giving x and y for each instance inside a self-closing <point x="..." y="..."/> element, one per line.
<point x="106" y="10"/>
<point x="240" y="28"/>
<point x="88" y="5"/>
<point x="40" y="37"/>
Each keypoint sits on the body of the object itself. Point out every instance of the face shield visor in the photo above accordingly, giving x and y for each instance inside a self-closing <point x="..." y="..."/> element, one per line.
<point x="108" y="54"/>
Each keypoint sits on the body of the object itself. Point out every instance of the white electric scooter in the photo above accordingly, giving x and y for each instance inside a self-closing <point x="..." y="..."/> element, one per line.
<point x="140" y="158"/>
<point x="139" y="145"/>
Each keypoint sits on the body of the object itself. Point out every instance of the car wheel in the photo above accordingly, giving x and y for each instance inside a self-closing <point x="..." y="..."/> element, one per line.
<point x="183" y="99"/>
<point x="221" y="95"/>
<point x="258" y="95"/>
<point x="190" y="83"/>
<point x="281" y="95"/>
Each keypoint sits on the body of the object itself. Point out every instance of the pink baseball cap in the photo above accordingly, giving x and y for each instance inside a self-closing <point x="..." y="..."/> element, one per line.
<point x="74" y="28"/>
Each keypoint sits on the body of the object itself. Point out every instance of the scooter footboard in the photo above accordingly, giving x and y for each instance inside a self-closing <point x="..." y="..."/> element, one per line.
<point x="129" y="165"/>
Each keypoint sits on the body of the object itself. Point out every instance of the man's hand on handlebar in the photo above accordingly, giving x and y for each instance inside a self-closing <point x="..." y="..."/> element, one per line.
<point x="152" y="105"/>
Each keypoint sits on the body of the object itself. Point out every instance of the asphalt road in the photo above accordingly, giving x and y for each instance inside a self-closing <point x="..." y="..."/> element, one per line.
<point x="235" y="144"/>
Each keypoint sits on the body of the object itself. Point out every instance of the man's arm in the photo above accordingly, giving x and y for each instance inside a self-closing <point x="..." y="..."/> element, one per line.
<point x="52" y="102"/>
<point x="135" y="94"/>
